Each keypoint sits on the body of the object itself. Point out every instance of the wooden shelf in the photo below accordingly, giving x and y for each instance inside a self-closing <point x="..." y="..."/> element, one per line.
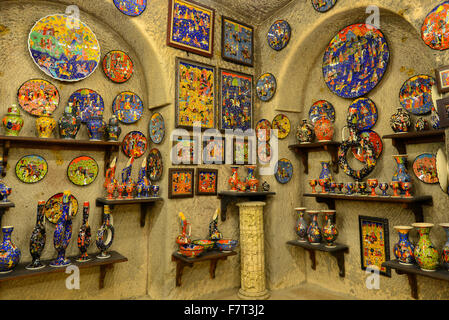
<point x="212" y="256"/>
<point x="105" y="264"/>
<point x="414" y="203"/>
<point x="145" y="204"/>
<point x="401" y="140"/>
<point x="66" y="144"/>
<point x="412" y="271"/>
<point x="338" y="252"/>
<point x="228" y="197"/>
<point x="303" y="149"/>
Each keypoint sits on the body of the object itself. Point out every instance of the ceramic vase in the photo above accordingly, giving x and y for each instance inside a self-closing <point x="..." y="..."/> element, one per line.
<point x="12" y="121"/>
<point x="37" y="240"/>
<point x="301" y="225"/>
<point x="45" y="125"/>
<point x="84" y="235"/>
<point x="324" y="130"/>
<point x="314" y="231"/>
<point x="404" y="249"/>
<point x="9" y="253"/>
<point x="96" y="128"/>
<point x="400" y="121"/>
<point x="401" y="175"/>
<point x="63" y="233"/>
<point x="234" y="180"/>
<point x="421" y="124"/>
<point x="426" y="254"/>
<point x="330" y="232"/>
<point x="5" y="191"/>
<point x="445" y="249"/>
<point x="105" y="234"/>
<point x="305" y="132"/>
<point x="68" y="124"/>
<point x="326" y="172"/>
<point x="113" y="129"/>
<point x="434" y="119"/>
<point x="251" y="182"/>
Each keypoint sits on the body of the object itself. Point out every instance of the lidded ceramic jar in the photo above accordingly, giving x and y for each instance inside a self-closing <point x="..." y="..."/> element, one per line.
<point x="45" y="125"/>
<point x="12" y="121"/>
<point x="96" y="128"/>
<point x="305" y="132"/>
<point x="324" y="129"/>
<point x="69" y="124"/>
<point x="113" y="129"/>
<point x="400" y="121"/>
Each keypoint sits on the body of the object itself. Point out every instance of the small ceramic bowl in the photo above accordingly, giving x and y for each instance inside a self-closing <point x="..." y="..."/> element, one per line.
<point x="206" y="244"/>
<point x="227" y="244"/>
<point x="191" y="250"/>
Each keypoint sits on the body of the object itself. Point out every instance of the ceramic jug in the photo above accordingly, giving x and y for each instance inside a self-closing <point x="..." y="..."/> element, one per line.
<point x="305" y="132"/>
<point x="38" y="238"/>
<point x="445" y="249"/>
<point x="301" y="225"/>
<point x="45" y="125"/>
<point x="330" y="232"/>
<point x="84" y="235"/>
<point x="63" y="233"/>
<point x="234" y="180"/>
<point x="314" y="231"/>
<point x="96" y="128"/>
<point x="12" y="121"/>
<point x="403" y="250"/>
<point x="324" y="129"/>
<point x="251" y="181"/>
<point x="400" y="121"/>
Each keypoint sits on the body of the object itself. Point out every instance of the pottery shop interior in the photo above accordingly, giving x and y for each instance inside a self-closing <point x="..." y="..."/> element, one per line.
<point x="224" y="150"/>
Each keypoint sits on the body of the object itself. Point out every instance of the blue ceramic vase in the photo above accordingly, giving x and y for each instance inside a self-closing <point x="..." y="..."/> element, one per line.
<point x="301" y="225"/>
<point x="38" y="238"/>
<point x="63" y="233"/>
<point x="9" y="253"/>
<point x="84" y="235"/>
<point x="445" y="249"/>
<point x="314" y="231"/>
<point x="96" y="128"/>
<point x="403" y="250"/>
<point x="105" y="234"/>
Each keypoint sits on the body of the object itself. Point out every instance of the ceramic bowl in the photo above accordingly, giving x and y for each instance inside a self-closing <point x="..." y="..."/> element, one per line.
<point x="191" y="250"/>
<point x="206" y="244"/>
<point x="227" y="244"/>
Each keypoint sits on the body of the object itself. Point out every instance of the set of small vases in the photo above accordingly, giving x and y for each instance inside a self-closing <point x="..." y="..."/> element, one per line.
<point x="12" y="121"/>
<point x="312" y="232"/>
<point x="251" y="183"/>
<point x="68" y="123"/>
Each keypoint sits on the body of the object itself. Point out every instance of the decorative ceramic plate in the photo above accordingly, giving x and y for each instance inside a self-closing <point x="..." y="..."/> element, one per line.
<point x="87" y="103"/>
<point x="375" y="140"/>
<point x="365" y="111"/>
<point x="82" y="170"/>
<point x="157" y="128"/>
<point x="128" y="107"/>
<point x="321" y="109"/>
<point x="442" y="170"/>
<point x="118" y="66"/>
<point x="284" y="171"/>
<point x="266" y="87"/>
<point x="53" y="207"/>
<point x="281" y="123"/>
<point x="355" y="61"/>
<point x="416" y="94"/>
<point x="134" y="144"/>
<point x="323" y="5"/>
<point x="434" y="30"/>
<point x="64" y="48"/>
<point x="264" y="152"/>
<point x="36" y="95"/>
<point x="425" y="168"/>
<point x="279" y="35"/>
<point x="154" y="165"/>
<point x="132" y="8"/>
<point x="263" y="130"/>
<point x="31" y="169"/>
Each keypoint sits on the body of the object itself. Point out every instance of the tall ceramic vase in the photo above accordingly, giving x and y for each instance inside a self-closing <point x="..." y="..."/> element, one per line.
<point x="401" y="174"/>
<point x="9" y="253"/>
<point x="426" y="254"/>
<point x="63" y="233"/>
<point x="234" y="180"/>
<point x="330" y="232"/>
<point x="445" y="250"/>
<point x="105" y="234"/>
<point x="404" y="249"/>
<point x="38" y="238"/>
<point x="314" y="231"/>
<point x="301" y="225"/>
<point x="251" y="181"/>
<point x="84" y="235"/>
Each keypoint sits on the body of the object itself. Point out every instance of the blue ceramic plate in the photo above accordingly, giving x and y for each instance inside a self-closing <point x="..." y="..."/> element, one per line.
<point x="365" y="111"/>
<point x="416" y="94"/>
<point x="266" y="87"/>
<point x="86" y="103"/>
<point x="128" y="107"/>
<point x="284" y="171"/>
<point x="323" y="5"/>
<point x="157" y="128"/>
<point x="132" y="8"/>
<point x="321" y="109"/>
<point x="279" y="35"/>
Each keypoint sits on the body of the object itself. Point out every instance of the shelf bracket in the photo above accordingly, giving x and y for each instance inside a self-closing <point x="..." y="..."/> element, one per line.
<point x="213" y="266"/>
<point x="312" y="257"/>
<point x="103" y="270"/>
<point x="225" y="201"/>
<point x="144" y="208"/>
<point x="340" y="256"/>
<point x="180" y="265"/>
<point x="399" y="145"/>
<point x="329" y="202"/>
<point x="412" y="282"/>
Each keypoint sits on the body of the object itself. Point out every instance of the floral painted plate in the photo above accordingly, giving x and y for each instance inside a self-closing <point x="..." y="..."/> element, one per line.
<point x="282" y="123"/>
<point x="323" y="5"/>
<point x="132" y="8"/>
<point x="284" y="171"/>
<point x="64" y="48"/>
<point x="264" y="152"/>
<point x="266" y="87"/>
<point x="416" y="94"/>
<point x="434" y="30"/>
<point x="128" y="107"/>
<point x="425" y="168"/>
<point x="154" y="165"/>
<point x="118" y="66"/>
<point x="263" y="130"/>
<point x="157" y="128"/>
<point x="365" y="112"/>
<point x="31" y="169"/>
<point x="321" y="109"/>
<point x="279" y="35"/>
<point x="375" y="140"/>
<point x="82" y="170"/>
<point x="87" y="103"/>
<point x="53" y="207"/>
<point x="36" y="95"/>
<point x="135" y="144"/>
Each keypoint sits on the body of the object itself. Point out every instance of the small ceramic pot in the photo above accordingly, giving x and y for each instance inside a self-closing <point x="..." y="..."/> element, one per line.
<point x="45" y="125"/>
<point x="323" y="183"/>
<point x="362" y="188"/>
<point x="301" y="225"/>
<point x="403" y="250"/>
<point x="421" y="124"/>
<point x="324" y="130"/>
<point x="12" y="121"/>
<point x="155" y="190"/>
<point x="407" y="186"/>
<point x="68" y="124"/>
<point x="96" y="127"/>
<point x="400" y="121"/>
<point x="305" y="132"/>
<point x="113" y="129"/>
<point x="340" y="187"/>
<point x="349" y="188"/>
<point x="426" y="254"/>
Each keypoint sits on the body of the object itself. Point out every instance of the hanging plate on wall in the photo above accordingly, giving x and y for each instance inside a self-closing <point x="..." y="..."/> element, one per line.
<point x="425" y="168"/>
<point x="442" y="170"/>
<point x="266" y="87"/>
<point x="36" y="95"/>
<point x="365" y="111"/>
<point x="284" y="171"/>
<point x="128" y="107"/>
<point x="64" y="48"/>
<point x="372" y="137"/>
<point x="264" y="152"/>
<point x="118" y="66"/>
<point x="135" y="144"/>
<point x="53" y="207"/>
<point x="434" y="30"/>
<point x="157" y="128"/>
<point x="154" y="165"/>
<point x="323" y="5"/>
<point x="279" y="35"/>
<point x="355" y="60"/>
<point x="86" y="103"/>
<point x="132" y="8"/>
<point x="321" y="109"/>
<point x="31" y="169"/>
<point x="82" y="170"/>
<point x="281" y="123"/>
<point x="263" y="130"/>
<point x="416" y="94"/>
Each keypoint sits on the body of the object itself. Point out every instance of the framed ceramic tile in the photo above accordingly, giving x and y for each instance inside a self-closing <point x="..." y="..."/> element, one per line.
<point x="206" y="182"/>
<point x="443" y="112"/>
<point x="214" y="151"/>
<point x="195" y="98"/>
<point x="191" y="27"/>
<point x="185" y="151"/>
<point x="237" y="42"/>
<point x="181" y="183"/>
<point x="236" y="100"/>
<point x="374" y="243"/>
<point x="442" y="76"/>
<point x="243" y="152"/>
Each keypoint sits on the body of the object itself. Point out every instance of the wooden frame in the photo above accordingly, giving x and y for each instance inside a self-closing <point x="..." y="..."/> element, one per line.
<point x="442" y="75"/>
<point x="171" y="172"/>
<point x="223" y="42"/>
<point x="443" y="112"/>
<point x="198" y="179"/>
<point x="170" y="42"/>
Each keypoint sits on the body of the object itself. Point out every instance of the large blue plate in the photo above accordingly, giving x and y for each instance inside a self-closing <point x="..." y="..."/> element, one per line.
<point x="279" y="35"/>
<point x="365" y="111"/>
<point x="416" y="94"/>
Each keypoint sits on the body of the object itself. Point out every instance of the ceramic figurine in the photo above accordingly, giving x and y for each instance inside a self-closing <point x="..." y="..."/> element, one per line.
<point x="395" y="186"/>
<point x="110" y="174"/>
<point x="12" y="121"/>
<point x="38" y="238"/>
<point x="400" y="121"/>
<point x="84" y="235"/>
<point x="45" y="125"/>
<point x="314" y="231"/>
<point x="305" y="132"/>
<point x="184" y="237"/>
<point x="426" y="255"/>
<point x="251" y="181"/>
<point x="407" y="186"/>
<point x="301" y="225"/>
<point x="383" y="187"/>
<point x="63" y="233"/>
<point x="434" y="119"/>
<point x="313" y="183"/>
<point x="96" y="127"/>
<point x="105" y="235"/>
<point x="421" y="124"/>
<point x="330" y="232"/>
<point x="214" y="233"/>
<point x="9" y="253"/>
<point x="265" y="186"/>
<point x="113" y="129"/>
<point x="69" y="124"/>
<point x="373" y="183"/>
<point x="234" y="179"/>
<point x="401" y="174"/>
<point x="324" y="129"/>
<point x="403" y="250"/>
<point x="445" y="249"/>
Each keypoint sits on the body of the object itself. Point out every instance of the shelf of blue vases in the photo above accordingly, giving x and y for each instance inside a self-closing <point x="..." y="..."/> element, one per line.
<point x="145" y="204"/>
<point x="303" y="149"/>
<point x="228" y="197"/>
<point x="401" y="140"/>
<point x="338" y="252"/>
<point x="20" y="272"/>
<point x="9" y="142"/>
<point x="415" y="204"/>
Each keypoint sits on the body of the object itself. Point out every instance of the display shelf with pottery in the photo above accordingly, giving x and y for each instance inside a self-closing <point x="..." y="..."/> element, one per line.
<point x="401" y="140"/>
<point x="303" y="151"/>
<point x="228" y="197"/>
